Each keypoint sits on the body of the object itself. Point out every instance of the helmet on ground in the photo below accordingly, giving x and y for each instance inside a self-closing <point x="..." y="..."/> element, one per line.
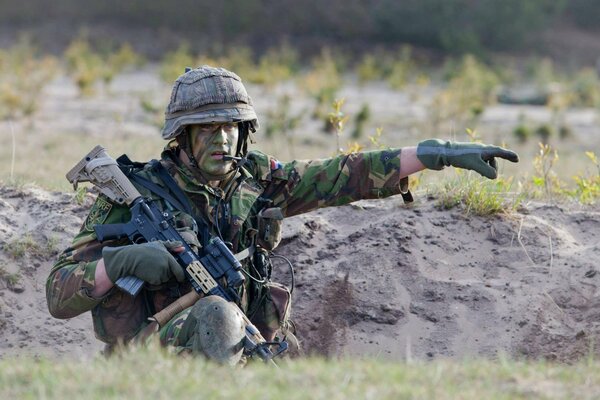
<point x="219" y="331"/>
<point x="207" y="95"/>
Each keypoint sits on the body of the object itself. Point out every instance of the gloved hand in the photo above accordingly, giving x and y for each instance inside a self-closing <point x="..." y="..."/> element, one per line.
<point x="151" y="262"/>
<point x="437" y="154"/>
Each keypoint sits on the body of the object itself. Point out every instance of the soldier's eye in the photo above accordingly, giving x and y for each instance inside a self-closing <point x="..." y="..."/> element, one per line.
<point x="206" y="127"/>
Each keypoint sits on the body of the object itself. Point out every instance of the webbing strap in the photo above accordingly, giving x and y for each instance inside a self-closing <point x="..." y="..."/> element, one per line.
<point x="173" y="186"/>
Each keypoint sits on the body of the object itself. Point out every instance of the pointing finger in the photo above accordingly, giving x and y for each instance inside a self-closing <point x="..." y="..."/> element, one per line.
<point x="501" y="153"/>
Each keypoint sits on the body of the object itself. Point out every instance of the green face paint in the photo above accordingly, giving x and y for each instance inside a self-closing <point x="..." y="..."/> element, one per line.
<point x="210" y="142"/>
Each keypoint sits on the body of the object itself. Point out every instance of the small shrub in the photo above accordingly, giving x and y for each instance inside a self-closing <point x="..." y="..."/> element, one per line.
<point x="544" y="132"/>
<point x="402" y="69"/>
<point x="26" y="245"/>
<point x="375" y="140"/>
<point x="175" y="62"/>
<point x="360" y="119"/>
<point x="586" y="89"/>
<point x="369" y="69"/>
<point x="275" y="66"/>
<point x="23" y="76"/>
<point x="565" y="132"/>
<point x="120" y="61"/>
<point x="85" y="66"/>
<point x="280" y="121"/>
<point x="522" y="132"/>
<point x="542" y="72"/>
<point x="338" y="120"/>
<point x="322" y="83"/>
<point x="544" y="177"/>
<point x="470" y="89"/>
<point x="588" y="187"/>
<point x="11" y="279"/>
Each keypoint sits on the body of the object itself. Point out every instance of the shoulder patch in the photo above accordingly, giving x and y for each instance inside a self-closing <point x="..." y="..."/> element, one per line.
<point x="98" y="213"/>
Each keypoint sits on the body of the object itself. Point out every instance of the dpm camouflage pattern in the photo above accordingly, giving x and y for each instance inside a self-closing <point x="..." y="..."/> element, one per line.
<point x="295" y="187"/>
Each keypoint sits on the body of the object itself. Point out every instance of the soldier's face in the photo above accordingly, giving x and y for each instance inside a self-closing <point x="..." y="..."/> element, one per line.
<point x="210" y="142"/>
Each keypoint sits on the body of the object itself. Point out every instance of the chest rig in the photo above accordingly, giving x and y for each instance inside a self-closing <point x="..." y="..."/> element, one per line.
<point x="246" y="217"/>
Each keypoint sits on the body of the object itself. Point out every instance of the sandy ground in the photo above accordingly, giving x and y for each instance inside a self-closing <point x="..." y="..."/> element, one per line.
<point x="375" y="278"/>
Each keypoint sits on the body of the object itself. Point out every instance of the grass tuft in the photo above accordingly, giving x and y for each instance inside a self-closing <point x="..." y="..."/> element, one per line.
<point x="480" y="196"/>
<point x="26" y="245"/>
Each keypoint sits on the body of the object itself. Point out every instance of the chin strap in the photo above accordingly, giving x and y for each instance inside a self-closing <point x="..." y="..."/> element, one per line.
<point x="246" y="130"/>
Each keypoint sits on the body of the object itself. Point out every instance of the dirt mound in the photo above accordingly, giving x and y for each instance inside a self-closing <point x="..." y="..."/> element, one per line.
<point x="375" y="278"/>
<point x="400" y="282"/>
<point x="35" y="226"/>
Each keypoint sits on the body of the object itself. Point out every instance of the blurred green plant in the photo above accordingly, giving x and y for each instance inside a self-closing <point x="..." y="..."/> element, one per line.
<point x="585" y="89"/>
<point x="565" y="132"/>
<point x="587" y="188"/>
<point x="369" y="69"/>
<point x="544" y="132"/>
<point x="360" y="120"/>
<point x="280" y="121"/>
<point x="121" y="60"/>
<point x="154" y="112"/>
<point x="401" y="69"/>
<point x="470" y="89"/>
<point x="322" y="83"/>
<point x="375" y="140"/>
<point x="522" y="132"/>
<point x="11" y="279"/>
<point x="23" y="76"/>
<point x="85" y="66"/>
<point x="338" y="120"/>
<point x="541" y="71"/>
<point x="175" y="62"/>
<point x="544" y="177"/>
<point x="275" y="66"/>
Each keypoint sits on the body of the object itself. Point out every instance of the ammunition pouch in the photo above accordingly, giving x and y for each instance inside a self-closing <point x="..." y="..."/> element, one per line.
<point x="269" y="228"/>
<point x="273" y="311"/>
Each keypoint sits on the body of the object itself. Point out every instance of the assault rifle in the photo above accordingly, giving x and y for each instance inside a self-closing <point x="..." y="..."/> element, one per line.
<point x="148" y="223"/>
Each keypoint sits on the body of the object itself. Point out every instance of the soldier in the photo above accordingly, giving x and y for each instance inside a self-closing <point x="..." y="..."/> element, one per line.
<point x="241" y="196"/>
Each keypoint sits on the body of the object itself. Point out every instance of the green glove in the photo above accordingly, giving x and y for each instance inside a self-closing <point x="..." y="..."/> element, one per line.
<point x="437" y="154"/>
<point x="151" y="262"/>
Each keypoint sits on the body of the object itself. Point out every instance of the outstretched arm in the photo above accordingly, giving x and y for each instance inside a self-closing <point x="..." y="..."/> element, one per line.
<point x="410" y="163"/>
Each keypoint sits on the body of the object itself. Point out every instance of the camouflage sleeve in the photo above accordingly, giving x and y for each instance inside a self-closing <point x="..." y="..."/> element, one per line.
<point x="304" y="185"/>
<point x="72" y="278"/>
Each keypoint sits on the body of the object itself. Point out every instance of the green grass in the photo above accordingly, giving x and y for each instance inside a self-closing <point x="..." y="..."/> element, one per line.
<point x="478" y="195"/>
<point x="162" y="376"/>
<point x="11" y="278"/>
<point x="26" y="245"/>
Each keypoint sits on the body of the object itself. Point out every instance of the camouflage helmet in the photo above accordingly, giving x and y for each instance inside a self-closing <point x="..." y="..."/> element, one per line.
<point x="219" y="330"/>
<point x="207" y="95"/>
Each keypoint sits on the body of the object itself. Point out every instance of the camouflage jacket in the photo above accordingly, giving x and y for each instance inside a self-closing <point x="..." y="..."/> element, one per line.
<point x="263" y="182"/>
